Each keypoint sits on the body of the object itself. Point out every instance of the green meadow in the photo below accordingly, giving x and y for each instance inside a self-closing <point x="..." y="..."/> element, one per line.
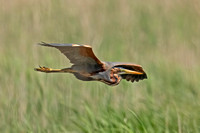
<point x="162" y="36"/>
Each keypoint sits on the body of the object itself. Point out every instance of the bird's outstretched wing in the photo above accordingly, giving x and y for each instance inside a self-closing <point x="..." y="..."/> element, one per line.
<point x="77" y="54"/>
<point x="134" y="67"/>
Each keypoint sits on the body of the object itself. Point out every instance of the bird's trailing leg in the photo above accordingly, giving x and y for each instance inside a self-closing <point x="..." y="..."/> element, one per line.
<point x="50" y="70"/>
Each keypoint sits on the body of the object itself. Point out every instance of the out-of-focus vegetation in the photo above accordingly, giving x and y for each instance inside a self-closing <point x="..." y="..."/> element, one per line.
<point x="162" y="36"/>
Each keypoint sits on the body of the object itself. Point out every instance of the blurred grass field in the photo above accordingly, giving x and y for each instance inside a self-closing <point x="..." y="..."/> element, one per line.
<point x="162" y="36"/>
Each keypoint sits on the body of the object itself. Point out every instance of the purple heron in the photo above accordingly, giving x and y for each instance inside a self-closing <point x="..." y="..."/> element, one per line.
<point x="87" y="67"/>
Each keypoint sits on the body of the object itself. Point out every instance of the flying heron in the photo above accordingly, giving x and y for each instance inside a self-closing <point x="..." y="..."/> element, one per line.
<point x="87" y="67"/>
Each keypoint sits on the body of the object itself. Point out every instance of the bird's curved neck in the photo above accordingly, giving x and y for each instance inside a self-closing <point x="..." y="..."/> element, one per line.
<point x="113" y="77"/>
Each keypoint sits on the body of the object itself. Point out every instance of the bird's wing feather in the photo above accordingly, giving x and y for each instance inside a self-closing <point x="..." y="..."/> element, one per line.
<point x="133" y="67"/>
<point x="77" y="54"/>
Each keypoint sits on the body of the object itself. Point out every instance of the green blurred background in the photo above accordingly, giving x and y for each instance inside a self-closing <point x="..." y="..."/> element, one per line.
<point x="162" y="36"/>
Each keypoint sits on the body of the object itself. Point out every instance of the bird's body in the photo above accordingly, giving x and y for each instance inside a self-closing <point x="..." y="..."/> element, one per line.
<point x="87" y="67"/>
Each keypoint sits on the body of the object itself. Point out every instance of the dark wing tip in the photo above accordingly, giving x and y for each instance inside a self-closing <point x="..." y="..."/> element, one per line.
<point x="134" y="77"/>
<point x="145" y="76"/>
<point x="44" y="44"/>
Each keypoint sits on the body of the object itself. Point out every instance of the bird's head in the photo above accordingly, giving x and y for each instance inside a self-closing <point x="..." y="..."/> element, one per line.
<point x="117" y="72"/>
<point x="129" y="74"/>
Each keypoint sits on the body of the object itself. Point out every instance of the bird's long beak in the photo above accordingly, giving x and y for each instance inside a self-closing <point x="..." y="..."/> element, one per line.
<point x="126" y="71"/>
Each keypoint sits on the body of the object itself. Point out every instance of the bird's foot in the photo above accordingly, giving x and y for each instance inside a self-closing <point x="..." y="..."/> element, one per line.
<point x="43" y="69"/>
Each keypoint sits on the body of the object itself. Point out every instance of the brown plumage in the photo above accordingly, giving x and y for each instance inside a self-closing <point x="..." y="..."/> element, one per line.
<point x="87" y="67"/>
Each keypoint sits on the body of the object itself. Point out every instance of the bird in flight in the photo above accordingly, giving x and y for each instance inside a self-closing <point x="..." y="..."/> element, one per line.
<point x="87" y="67"/>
